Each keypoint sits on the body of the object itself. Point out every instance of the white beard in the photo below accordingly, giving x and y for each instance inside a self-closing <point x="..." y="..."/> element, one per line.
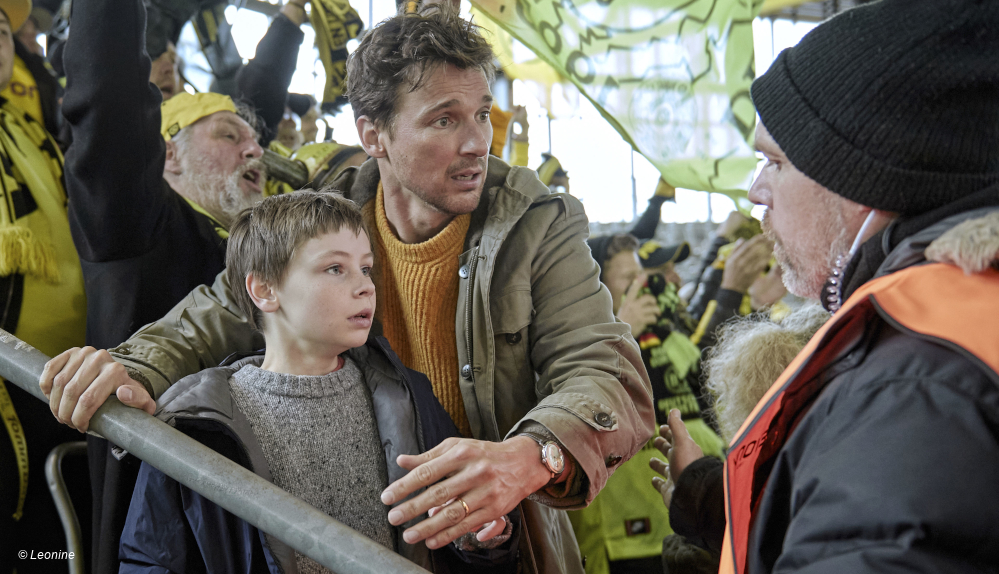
<point x="218" y="193"/>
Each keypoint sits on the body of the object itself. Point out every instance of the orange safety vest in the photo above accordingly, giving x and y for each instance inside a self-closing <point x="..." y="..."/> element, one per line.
<point x="935" y="301"/>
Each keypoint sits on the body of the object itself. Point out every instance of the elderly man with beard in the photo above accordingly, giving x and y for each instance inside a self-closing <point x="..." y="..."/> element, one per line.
<point x="876" y="450"/>
<point x="152" y="190"/>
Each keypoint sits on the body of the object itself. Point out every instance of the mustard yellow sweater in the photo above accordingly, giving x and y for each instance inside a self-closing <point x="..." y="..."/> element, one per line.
<point x="417" y="294"/>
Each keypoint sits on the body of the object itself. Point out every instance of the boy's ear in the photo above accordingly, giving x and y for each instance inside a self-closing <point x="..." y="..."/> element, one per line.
<point x="262" y="294"/>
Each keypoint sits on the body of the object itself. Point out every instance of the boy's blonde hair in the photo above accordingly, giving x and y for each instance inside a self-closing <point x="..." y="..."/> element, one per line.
<point x="263" y="239"/>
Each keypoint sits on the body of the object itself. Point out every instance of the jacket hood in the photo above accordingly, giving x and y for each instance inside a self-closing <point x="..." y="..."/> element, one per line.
<point x="905" y="241"/>
<point x="972" y="245"/>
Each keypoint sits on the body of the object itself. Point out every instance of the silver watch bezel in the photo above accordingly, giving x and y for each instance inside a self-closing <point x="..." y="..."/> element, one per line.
<point x="552" y="458"/>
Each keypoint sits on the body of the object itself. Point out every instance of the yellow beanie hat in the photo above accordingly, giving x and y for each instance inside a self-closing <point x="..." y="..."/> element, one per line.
<point x="184" y="109"/>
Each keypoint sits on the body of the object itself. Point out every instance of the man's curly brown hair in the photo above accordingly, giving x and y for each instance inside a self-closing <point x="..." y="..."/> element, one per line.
<point x="400" y="52"/>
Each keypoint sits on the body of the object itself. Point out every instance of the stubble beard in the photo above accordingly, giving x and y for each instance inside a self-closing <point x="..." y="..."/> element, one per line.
<point x="806" y="278"/>
<point x="455" y="205"/>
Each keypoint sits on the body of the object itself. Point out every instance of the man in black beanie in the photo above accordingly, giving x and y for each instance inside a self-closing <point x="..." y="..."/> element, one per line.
<point x="877" y="450"/>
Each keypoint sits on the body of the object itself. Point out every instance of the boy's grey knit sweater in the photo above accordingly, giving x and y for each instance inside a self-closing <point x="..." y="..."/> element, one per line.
<point x="321" y="442"/>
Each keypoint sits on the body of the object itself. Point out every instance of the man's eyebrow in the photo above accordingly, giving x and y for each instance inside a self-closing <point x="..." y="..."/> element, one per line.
<point x="230" y="121"/>
<point x="442" y="106"/>
<point x="486" y="99"/>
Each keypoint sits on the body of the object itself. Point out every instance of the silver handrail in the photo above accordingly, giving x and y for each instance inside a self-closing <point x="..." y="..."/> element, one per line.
<point x="217" y="478"/>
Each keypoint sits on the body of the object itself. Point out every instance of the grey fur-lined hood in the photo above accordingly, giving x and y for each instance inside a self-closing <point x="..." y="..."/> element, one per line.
<point x="969" y="240"/>
<point x="972" y="245"/>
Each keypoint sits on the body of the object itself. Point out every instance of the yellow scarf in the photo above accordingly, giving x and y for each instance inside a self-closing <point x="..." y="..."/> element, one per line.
<point x="35" y="243"/>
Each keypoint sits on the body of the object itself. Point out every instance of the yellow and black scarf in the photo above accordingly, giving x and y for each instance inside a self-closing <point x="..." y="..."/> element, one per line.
<point x="41" y="280"/>
<point x="335" y="22"/>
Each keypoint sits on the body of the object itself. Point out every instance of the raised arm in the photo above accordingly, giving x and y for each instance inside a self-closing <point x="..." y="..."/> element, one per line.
<point x="264" y="81"/>
<point x="114" y="169"/>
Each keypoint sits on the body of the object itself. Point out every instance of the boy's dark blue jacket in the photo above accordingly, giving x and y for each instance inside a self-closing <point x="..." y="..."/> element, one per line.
<point x="172" y="529"/>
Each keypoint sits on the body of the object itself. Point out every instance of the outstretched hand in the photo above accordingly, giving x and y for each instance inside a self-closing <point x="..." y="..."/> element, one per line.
<point x="490" y="478"/>
<point x="78" y="381"/>
<point x="680" y="450"/>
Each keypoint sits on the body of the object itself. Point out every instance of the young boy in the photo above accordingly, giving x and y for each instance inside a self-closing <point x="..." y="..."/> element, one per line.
<point x="323" y="413"/>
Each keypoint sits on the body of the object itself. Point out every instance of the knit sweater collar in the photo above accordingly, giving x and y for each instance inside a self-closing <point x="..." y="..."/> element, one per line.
<point x="298" y="386"/>
<point x="445" y="244"/>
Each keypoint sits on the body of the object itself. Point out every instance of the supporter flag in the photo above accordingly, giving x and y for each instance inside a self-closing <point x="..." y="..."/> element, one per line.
<point x="335" y="22"/>
<point x="671" y="76"/>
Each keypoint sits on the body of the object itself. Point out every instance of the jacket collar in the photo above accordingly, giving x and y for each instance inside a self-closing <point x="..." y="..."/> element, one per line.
<point x="507" y="193"/>
<point x="903" y="242"/>
<point x="206" y="396"/>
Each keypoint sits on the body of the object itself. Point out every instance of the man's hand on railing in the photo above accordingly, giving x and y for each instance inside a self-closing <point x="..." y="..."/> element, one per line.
<point x="490" y="478"/>
<point x="78" y="381"/>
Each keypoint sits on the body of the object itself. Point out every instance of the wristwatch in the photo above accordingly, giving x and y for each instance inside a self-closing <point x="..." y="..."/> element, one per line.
<point x="551" y="455"/>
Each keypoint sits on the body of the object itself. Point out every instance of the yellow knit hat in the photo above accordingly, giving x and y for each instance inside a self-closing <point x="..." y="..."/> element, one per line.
<point x="184" y="109"/>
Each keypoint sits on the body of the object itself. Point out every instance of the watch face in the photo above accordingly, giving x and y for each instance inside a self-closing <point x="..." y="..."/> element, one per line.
<point x="553" y="458"/>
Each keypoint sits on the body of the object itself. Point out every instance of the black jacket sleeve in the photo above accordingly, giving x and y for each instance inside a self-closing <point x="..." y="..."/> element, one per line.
<point x="170" y="528"/>
<point x="114" y="169"/>
<point x="708" y="286"/>
<point x="263" y="82"/>
<point x="709" y="257"/>
<point x="697" y="510"/>
<point x="645" y="229"/>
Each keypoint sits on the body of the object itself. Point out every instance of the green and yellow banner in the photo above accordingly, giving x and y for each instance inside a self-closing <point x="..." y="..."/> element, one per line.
<point x="671" y="76"/>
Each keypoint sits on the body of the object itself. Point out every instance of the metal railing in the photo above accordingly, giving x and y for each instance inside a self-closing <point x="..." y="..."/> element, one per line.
<point x="217" y="478"/>
<point x="64" y="504"/>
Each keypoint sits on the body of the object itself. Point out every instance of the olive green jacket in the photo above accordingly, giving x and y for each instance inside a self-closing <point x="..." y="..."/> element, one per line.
<point x="537" y="342"/>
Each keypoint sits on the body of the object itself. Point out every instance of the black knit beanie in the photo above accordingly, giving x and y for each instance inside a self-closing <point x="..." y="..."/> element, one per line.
<point x="894" y="104"/>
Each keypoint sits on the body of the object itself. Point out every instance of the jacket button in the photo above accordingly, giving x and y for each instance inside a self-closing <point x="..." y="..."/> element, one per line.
<point x="513" y="338"/>
<point x="463" y="272"/>
<point x="604" y="420"/>
<point x="612" y="460"/>
<point x="122" y="351"/>
<point x="466" y="372"/>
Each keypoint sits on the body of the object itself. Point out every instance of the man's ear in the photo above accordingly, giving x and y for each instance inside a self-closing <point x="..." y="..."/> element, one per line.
<point x="172" y="164"/>
<point x="371" y="137"/>
<point x="262" y="294"/>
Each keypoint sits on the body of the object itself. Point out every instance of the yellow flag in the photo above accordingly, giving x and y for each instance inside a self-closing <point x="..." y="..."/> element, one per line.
<point x="671" y="76"/>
